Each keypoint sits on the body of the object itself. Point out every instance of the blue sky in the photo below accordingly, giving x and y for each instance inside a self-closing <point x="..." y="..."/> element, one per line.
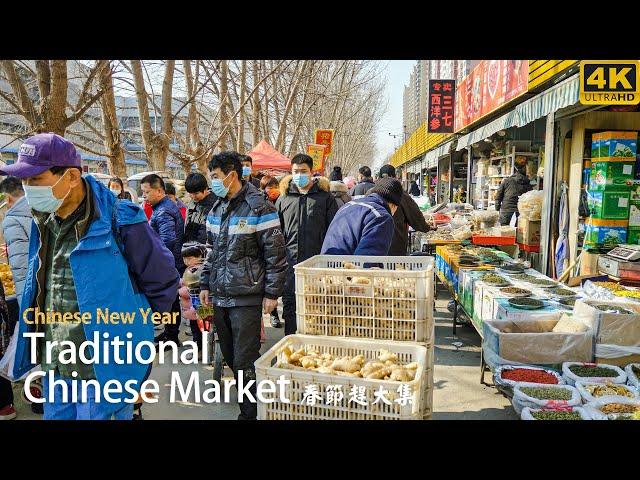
<point x="397" y="75"/>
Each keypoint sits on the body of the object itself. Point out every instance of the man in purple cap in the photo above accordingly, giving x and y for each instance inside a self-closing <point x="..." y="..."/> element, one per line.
<point x="88" y="252"/>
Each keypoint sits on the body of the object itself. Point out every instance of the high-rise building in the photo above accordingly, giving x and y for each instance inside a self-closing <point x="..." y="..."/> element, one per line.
<point x="415" y="100"/>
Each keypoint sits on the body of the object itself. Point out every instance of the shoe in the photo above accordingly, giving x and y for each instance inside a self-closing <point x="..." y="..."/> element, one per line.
<point x="8" y="413"/>
<point x="137" y="412"/>
<point x="275" y="322"/>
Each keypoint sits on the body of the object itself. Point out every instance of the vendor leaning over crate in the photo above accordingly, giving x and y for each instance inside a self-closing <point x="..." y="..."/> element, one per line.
<point x="365" y="226"/>
<point x="244" y="272"/>
<point x="306" y="208"/>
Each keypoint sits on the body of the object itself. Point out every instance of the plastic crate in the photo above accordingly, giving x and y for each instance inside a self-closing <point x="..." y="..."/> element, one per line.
<point x="344" y="410"/>
<point x="394" y="302"/>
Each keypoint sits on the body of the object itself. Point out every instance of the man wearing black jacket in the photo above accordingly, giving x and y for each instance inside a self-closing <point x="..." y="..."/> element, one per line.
<point x="408" y="215"/>
<point x="365" y="184"/>
<point x="306" y="207"/>
<point x="195" y="225"/>
<point x="244" y="271"/>
<point x="509" y="192"/>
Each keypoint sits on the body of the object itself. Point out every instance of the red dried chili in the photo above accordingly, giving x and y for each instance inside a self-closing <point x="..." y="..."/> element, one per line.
<point x="528" y="375"/>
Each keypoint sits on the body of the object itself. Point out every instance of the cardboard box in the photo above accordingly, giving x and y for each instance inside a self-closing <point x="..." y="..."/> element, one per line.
<point x="504" y="311"/>
<point x="589" y="263"/>
<point x="609" y="205"/>
<point x="478" y="287"/>
<point x="533" y="342"/>
<point x="611" y="329"/>
<point x="607" y="175"/>
<point x="528" y="231"/>
<point x="605" y="232"/>
<point x="614" y="145"/>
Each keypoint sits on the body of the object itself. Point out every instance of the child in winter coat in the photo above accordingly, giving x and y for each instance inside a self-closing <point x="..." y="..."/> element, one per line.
<point x="194" y="255"/>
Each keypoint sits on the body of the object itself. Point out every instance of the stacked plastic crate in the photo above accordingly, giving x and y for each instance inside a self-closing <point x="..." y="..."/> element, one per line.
<point x="377" y="302"/>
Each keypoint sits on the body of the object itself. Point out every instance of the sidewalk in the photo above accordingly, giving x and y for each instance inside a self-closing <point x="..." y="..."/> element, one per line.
<point x="458" y="394"/>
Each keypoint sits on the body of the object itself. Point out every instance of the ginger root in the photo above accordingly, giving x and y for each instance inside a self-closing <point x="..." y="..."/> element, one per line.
<point x="346" y="364"/>
<point x="308" y="362"/>
<point x="386" y="355"/>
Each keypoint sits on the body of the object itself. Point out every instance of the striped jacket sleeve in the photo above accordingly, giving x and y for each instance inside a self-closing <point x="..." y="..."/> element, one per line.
<point x="271" y="242"/>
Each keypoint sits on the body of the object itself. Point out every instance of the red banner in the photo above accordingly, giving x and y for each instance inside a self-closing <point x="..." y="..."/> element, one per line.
<point x="324" y="137"/>
<point x="491" y="84"/>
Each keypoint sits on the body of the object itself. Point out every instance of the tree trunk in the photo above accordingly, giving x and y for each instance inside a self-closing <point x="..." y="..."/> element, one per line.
<point x="224" y="93"/>
<point x="255" y="116"/>
<point x="243" y="92"/>
<point x="143" y="112"/>
<point x="53" y="110"/>
<point x="112" y="140"/>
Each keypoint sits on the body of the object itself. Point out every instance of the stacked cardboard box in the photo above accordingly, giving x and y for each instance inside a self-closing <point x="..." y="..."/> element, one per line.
<point x="610" y="190"/>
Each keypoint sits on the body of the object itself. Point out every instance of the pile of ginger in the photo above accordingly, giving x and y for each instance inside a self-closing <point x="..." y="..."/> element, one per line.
<point x="386" y="367"/>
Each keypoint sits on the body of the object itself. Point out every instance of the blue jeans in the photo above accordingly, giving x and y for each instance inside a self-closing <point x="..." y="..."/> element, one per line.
<point x="89" y="410"/>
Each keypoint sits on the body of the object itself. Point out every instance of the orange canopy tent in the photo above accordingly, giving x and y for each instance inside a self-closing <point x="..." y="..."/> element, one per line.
<point x="265" y="158"/>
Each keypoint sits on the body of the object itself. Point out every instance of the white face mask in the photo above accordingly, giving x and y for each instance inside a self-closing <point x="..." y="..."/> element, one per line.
<point x="116" y="191"/>
<point x="42" y="199"/>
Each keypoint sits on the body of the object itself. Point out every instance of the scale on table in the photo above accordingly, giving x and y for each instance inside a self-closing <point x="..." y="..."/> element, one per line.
<point x="621" y="262"/>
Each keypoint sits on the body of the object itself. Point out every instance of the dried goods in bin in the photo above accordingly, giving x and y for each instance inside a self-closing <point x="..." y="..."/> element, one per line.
<point x="628" y="293"/>
<point x="515" y="291"/>
<point x="542" y="282"/>
<point x="494" y="279"/>
<point x="592" y="371"/>
<point x="556" y="415"/>
<point x="542" y="393"/>
<point x="619" y="408"/>
<point x="600" y="390"/>
<point x="613" y="309"/>
<point x="562" y="292"/>
<point x="529" y="375"/>
<point x="609" y="285"/>
<point x="526" y="303"/>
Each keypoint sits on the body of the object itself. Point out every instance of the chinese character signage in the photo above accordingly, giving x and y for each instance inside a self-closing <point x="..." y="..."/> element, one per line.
<point x="324" y="137"/>
<point x="440" y="115"/>
<point x="491" y="84"/>
<point x="317" y="152"/>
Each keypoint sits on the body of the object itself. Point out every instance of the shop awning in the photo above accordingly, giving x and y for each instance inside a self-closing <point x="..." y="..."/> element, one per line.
<point x="431" y="158"/>
<point x="562" y="95"/>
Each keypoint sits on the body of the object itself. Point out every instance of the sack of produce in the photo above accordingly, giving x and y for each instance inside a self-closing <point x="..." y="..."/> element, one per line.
<point x="591" y="392"/>
<point x="530" y="204"/>
<point x="534" y="395"/>
<point x="573" y="372"/>
<point x="614" y="407"/>
<point x="510" y="375"/>
<point x="570" y="413"/>
<point x="633" y="375"/>
<point x="462" y="233"/>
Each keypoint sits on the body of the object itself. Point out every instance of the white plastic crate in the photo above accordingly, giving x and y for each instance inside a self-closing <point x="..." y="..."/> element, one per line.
<point x="427" y="392"/>
<point x="344" y="410"/>
<point x="394" y="302"/>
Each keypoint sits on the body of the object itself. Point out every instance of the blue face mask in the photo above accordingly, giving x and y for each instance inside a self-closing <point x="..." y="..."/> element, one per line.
<point x="42" y="198"/>
<point x="301" y="179"/>
<point x="218" y="187"/>
<point x="246" y="171"/>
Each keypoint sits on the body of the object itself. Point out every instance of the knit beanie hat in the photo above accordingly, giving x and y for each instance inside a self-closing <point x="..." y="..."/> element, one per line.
<point x="390" y="189"/>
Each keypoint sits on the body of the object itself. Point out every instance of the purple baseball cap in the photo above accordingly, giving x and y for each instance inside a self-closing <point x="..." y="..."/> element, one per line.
<point x="41" y="152"/>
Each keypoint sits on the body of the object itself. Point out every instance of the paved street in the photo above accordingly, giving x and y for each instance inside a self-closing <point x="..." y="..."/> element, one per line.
<point x="458" y="394"/>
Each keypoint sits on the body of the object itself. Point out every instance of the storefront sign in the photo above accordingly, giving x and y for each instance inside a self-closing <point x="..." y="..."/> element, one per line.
<point x="440" y="116"/>
<point x="491" y="84"/>
<point x="610" y="82"/>
<point x="317" y="152"/>
<point x="324" y="137"/>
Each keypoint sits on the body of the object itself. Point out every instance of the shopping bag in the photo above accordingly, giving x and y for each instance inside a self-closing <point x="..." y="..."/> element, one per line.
<point x="514" y="221"/>
<point x="8" y="359"/>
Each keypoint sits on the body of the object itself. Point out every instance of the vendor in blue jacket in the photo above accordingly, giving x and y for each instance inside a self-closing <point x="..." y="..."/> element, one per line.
<point x="88" y="251"/>
<point x="365" y="226"/>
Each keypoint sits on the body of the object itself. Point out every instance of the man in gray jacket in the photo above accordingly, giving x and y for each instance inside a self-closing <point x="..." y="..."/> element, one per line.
<point x="16" y="228"/>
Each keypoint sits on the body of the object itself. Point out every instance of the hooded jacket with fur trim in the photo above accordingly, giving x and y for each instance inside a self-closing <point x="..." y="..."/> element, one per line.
<point x="305" y="218"/>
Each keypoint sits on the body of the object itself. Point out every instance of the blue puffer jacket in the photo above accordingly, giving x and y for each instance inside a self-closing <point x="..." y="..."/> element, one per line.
<point x="142" y="276"/>
<point x="16" y="227"/>
<point x="361" y="227"/>
<point x="167" y="221"/>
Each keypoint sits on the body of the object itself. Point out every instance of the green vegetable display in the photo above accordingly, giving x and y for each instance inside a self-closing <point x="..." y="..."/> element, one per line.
<point x="556" y="415"/>
<point x="546" y="393"/>
<point x="585" y="371"/>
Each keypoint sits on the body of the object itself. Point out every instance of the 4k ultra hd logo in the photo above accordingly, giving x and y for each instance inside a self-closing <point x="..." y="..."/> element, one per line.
<point x="609" y="82"/>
